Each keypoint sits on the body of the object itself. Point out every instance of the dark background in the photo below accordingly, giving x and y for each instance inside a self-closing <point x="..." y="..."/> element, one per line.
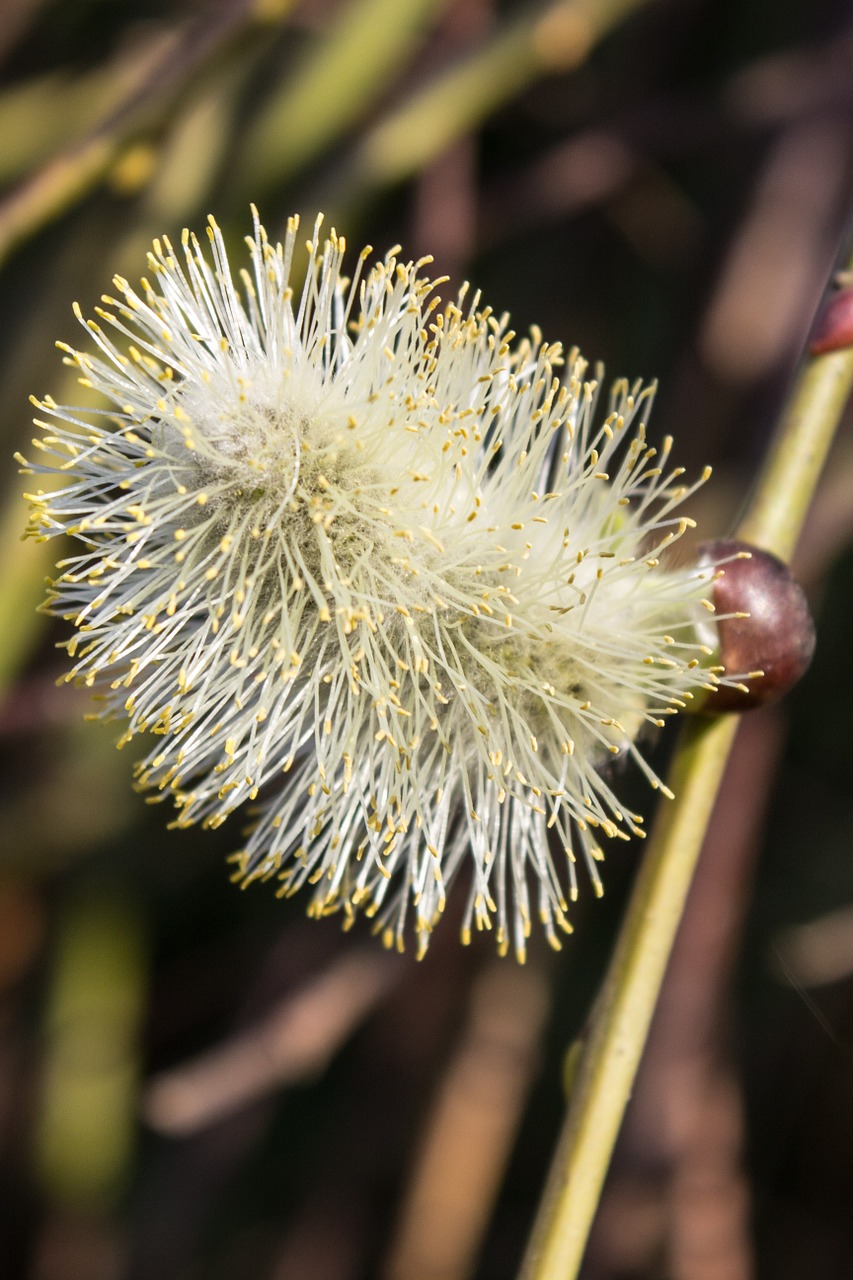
<point x="198" y="1082"/>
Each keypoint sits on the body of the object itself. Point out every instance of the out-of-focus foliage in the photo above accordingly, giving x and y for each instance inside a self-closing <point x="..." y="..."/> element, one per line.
<point x="198" y="1082"/>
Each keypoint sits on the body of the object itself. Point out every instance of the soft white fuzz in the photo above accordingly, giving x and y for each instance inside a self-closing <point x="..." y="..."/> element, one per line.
<point x="368" y="560"/>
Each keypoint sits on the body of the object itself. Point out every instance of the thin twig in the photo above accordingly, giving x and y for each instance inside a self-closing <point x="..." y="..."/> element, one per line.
<point x="608" y="1057"/>
<point x="75" y="171"/>
<point x="551" y="37"/>
<point x="294" y="1042"/>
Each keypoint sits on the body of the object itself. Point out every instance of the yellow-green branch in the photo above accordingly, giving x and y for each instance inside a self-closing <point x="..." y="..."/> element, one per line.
<point x="153" y="84"/>
<point x="607" y="1060"/>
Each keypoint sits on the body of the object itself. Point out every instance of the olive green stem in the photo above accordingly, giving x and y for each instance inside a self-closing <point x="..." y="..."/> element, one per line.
<point x="781" y="500"/>
<point x="366" y="47"/>
<point x="67" y="177"/>
<point x="610" y="1052"/>
<point x="555" y="36"/>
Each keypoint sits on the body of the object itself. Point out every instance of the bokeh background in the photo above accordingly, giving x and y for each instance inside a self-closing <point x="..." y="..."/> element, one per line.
<point x="199" y="1083"/>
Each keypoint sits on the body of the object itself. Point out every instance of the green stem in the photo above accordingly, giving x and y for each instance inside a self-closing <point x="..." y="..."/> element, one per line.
<point x="611" y="1052"/>
<point x="69" y="176"/>
<point x="367" y="46"/>
<point x="555" y="36"/>
<point x="608" y="1058"/>
<point x="781" y="500"/>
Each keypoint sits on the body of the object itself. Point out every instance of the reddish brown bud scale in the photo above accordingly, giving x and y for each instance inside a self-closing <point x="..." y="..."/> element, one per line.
<point x="834" y="326"/>
<point x="777" y="637"/>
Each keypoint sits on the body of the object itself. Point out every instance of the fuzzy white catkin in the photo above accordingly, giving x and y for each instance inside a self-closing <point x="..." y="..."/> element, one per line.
<point x="367" y="560"/>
